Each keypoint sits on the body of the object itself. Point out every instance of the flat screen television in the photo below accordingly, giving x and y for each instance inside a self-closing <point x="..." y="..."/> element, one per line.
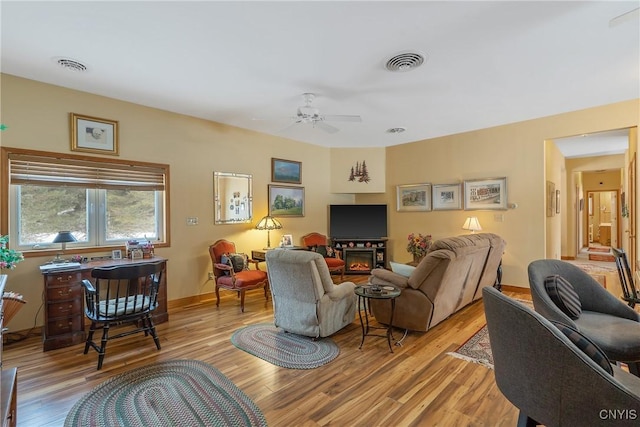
<point x="357" y="221"/>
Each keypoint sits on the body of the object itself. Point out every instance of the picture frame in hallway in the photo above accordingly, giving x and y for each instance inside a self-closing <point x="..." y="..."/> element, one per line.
<point x="485" y="194"/>
<point x="94" y="135"/>
<point x="557" y="201"/>
<point x="446" y="197"/>
<point x="413" y="197"/>
<point x="551" y="199"/>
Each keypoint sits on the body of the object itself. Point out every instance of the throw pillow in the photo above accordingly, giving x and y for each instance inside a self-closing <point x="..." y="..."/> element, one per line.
<point x="563" y="295"/>
<point x="401" y="269"/>
<point x="224" y="259"/>
<point x="324" y="250"/>
<point x="239" y="262"/>
<point x="587" y="346"/>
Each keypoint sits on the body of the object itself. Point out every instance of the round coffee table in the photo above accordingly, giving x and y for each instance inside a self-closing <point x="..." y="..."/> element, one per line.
<point x="365" y="294"/>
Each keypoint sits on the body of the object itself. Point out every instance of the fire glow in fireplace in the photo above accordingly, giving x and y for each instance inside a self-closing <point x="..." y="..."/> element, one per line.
<point x="359" y="260"/>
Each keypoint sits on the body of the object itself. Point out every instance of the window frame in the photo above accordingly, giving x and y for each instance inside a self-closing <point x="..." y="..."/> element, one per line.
<point x="8" y="198"/>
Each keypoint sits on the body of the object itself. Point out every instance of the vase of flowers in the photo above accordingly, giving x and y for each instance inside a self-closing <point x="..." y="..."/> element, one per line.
<point x="418" y="245"/>
<point x="8" y="257"/>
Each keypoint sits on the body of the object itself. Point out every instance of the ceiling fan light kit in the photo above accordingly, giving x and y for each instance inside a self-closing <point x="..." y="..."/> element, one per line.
<point x="308" y="114"/>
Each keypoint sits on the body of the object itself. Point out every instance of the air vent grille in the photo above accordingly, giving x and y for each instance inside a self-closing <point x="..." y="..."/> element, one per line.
<point x="71" y="65"/>
<point x="405" y="61"/>
<point x="396" y="130"/>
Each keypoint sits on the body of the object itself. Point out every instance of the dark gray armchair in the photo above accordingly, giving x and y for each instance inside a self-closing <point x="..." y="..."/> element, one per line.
<point x="548" y="378"/>
<point x="605" y="319"/>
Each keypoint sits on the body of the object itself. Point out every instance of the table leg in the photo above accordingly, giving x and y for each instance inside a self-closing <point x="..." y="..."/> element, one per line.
<point x="390" y="328"/>
<point x="361" y="320"/>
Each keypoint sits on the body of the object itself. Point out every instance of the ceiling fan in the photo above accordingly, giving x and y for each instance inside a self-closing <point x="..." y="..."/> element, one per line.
<point x="308" y="114"/>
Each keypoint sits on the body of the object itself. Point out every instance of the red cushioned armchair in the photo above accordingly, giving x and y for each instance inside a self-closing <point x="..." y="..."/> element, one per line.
<point x="239" y="281"/>
<point x="316" y="239"/>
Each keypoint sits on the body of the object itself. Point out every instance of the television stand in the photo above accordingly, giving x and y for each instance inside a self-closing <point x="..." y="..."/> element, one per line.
<point x="361" y="255"/>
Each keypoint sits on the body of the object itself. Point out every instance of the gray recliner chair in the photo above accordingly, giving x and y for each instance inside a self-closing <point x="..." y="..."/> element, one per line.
<point x="305" y="300"/>
<point x="548" y="378"/>
<point x="606" y="320"/>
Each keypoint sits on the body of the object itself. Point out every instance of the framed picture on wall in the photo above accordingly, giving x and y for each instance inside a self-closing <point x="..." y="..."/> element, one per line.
<point x="485" y="194"/>
<point x="551" y="199"/>
<point x="94" y="135"/>
<point x="413" y="197"/>
<point x="286" y="200"/>
<point x="557" y="201"/>
<point x="287" y="171"/>
<point x="446" y="197"/>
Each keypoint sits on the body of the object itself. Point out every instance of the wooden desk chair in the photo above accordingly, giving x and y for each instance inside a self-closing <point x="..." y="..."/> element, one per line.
<point x="239" y="281"/>
<point x="317" y="240"/>
<point x="123" y="293"/>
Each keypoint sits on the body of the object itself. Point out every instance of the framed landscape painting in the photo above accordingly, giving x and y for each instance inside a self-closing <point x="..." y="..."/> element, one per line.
<point x="413" y="197"/>
<point x="286" y="200"/>
<point x="485" y="194"/>
<point x="287" y="171"/>
<point x="446" y="197"/>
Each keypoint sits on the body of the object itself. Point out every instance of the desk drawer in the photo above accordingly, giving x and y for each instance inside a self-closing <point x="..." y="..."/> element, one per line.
<point x="64" y="308"/>
<point x="60" y="293"/>
<point x="64" y="278"/>
<point x="65" y="325"/>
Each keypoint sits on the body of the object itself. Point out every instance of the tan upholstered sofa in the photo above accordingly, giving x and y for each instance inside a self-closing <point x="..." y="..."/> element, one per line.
<point x="451" y="276"/>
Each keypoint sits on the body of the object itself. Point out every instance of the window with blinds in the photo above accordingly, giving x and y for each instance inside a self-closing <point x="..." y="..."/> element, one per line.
<point x="103" y="202"/>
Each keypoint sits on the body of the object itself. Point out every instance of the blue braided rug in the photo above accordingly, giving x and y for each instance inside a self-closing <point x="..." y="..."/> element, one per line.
<point x="283" y="349"/>
<point x="174" y="393"/>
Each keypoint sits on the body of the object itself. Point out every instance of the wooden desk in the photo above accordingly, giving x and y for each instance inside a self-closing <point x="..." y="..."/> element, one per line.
<point x="64" y="320"/>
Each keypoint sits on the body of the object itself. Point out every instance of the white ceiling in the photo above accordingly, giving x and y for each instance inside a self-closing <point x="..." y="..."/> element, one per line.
<point x="488" y="63"/>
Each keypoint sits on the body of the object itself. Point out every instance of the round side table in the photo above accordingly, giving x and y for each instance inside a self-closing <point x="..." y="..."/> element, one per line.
<point x="366" y="293"/>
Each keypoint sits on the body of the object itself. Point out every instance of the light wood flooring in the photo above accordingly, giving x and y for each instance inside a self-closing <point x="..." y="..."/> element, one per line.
<point x="417" y="385"/>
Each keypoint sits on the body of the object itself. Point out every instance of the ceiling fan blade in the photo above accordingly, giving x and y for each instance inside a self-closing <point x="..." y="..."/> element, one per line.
<point x="342" y="118"/>
<point x="325" y="127"/>
<point x="289" y="126"/>
<point x="627" y="16"/>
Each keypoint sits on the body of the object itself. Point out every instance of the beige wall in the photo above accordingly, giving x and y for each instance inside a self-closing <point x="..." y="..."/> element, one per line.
<point x="515" y="151"/>
<point x="37" y="116"/>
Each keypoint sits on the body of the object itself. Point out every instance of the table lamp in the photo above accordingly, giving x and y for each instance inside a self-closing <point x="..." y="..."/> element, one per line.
<point x="63" y="237"/>
<point x="268" y="223"/>
<point x="472" y="224"/>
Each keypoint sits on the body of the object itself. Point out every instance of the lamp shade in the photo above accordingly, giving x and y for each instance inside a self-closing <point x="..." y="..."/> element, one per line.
<point x="64" y="237"/>
<point x="269" y="223"/>
<point x="472" y="224"/>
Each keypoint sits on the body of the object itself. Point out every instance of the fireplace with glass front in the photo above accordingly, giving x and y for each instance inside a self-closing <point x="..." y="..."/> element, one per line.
<point x="361" y="256"/>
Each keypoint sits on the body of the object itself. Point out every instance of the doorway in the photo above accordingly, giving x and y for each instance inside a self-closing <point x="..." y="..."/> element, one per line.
<point x="602" y="218"/>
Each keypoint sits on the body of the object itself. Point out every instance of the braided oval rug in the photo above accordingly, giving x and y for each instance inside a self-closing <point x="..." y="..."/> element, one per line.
<point x="284" y="349"/>
<point x="174" y="393"/>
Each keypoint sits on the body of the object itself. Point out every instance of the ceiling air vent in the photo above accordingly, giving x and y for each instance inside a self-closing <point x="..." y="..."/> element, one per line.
<point x="71" y="64"/>
<point x="396" y="130"/>
<point x="405" y="61"/>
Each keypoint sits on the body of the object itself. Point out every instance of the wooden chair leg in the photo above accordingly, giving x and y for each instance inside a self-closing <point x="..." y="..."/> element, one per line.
<point x="103" y="345"/>
<point x="217" y="296"/>
<point x="242" y="292"/>
<point x="152" y="331"/>
<point x="87" y="343"/>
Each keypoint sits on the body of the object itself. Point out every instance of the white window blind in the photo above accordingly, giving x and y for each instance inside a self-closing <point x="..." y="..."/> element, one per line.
<point x="32" y="169"/>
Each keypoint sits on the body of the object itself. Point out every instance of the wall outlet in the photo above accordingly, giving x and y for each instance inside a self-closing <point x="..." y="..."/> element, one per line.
<point x="193" y="220"/>
<point x="211" y="276"/>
